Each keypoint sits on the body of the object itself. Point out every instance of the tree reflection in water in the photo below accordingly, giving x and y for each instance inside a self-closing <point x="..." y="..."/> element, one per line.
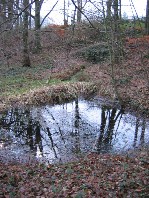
<point x="142" y="124"/>
<point x="109" y="118"/>
<point x="77" y="118"/>
<point x="65" y="131"/>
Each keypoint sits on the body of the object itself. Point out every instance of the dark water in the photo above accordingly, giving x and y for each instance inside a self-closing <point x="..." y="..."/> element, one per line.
<point x="62" y="132"/>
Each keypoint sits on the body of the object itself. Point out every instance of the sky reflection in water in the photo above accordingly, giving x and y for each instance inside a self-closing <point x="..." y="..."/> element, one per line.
<point x="62" y="132"/>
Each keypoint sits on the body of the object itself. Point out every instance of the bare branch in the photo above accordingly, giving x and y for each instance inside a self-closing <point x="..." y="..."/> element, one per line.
<point x="83" y="14"/>
<point x="48" y="13"/>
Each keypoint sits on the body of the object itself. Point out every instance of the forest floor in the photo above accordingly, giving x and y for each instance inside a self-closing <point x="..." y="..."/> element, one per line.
<point x="47" y="80"/>
<point x="94" y="175"/>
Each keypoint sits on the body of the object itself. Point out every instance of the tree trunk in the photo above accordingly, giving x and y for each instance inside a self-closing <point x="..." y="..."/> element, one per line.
<point x="116" y="17"/>
<point x="109" y="6"/>
<point x="120" y="9"/>
<point x="3" y="14"/>
<point x="79" y="14"/>
<point x="21" y="17"/>
<point x="64" y="12"/>
<point x="30" y="18"/>
<point x="10" y="13"/>
<point x="26" y="59"/>
<point x="117" y="45"/>
<point x="17" y="12"/>
<point x="37" y="26"/>
<point x="147" y="18"/>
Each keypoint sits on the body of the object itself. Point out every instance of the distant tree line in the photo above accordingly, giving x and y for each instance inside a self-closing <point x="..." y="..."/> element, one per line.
<point x="16" y="14"/>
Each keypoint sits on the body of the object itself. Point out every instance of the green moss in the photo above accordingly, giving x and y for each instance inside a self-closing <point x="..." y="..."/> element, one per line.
<point x="18" y="85"/>
<point x="18" y="80"/>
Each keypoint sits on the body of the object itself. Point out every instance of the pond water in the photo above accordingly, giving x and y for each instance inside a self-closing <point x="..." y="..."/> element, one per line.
<point x="64" y="132"/>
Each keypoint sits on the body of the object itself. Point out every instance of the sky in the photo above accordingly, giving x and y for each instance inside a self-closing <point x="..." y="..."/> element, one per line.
<point x="56" y="16"/>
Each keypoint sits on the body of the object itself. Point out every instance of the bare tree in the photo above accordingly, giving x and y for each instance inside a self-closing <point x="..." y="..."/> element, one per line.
<point x="109" y="5"/>
<point x="4" y="14"/>
<point x="10" y="12"/>
<point x="16" y="12"/>
<point x="114" y="3"/>
<point x="112" y="24"/>
<point x="115" y="15"/>
<point x="147" y="18"/>
<point x="79" y="14"/>
<point x="120" y="9"/>
<point x="65" y="19"/>
<point x="26" y="59"/>
<point x="30" y="16"/>
<point x="38" y="4"/>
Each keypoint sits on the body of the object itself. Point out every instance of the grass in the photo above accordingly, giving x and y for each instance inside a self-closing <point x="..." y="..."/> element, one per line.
<point x="18" y="85"/>
<point x="38" y="85"/>
<point x="19" y="80"/>
<point x="16" y="81"/>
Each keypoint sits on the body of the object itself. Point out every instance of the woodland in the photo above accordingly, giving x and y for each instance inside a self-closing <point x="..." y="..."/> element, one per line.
<point x="95" y="52"/>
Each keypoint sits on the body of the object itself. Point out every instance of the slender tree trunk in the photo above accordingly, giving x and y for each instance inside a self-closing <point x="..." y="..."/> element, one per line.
<point x="30" y="18"/>
<point x="64" y="12"/>
<point x="73" y="22"/>
<point x="79" y="14"/>
<point x="17" y="12"/>
<point x="120" y="9"/>
<point x="37" y="26"/>
<point x="3" y="14"/>
<point x="112" y="45"/>
<point x="26" y="59"/>
<point x="117" y="41"/>
<point x="116" y="17"/>
<point x="10" y="13"/>
<point x="109" y="7"/>
<point x="21" y="17"/>
<point x="147" y="18"/>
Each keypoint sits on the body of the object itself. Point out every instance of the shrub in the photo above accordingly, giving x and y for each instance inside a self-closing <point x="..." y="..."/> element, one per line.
<point x="95" y="53"/>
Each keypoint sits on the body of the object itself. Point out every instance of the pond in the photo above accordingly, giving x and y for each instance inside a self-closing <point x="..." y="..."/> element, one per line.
<point x="63" y="132"/>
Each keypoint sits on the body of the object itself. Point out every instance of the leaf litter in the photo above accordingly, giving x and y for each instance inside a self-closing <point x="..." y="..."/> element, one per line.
<point x="95" y="175"/>
<point x="103" y="175"/>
